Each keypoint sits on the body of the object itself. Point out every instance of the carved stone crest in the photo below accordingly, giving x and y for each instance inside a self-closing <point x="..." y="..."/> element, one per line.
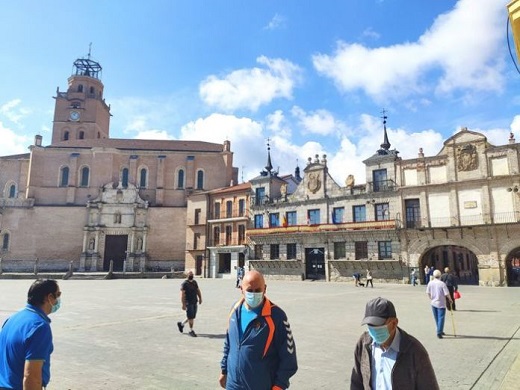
<point x="314" y="182"/>
<point x="467" y="159"/>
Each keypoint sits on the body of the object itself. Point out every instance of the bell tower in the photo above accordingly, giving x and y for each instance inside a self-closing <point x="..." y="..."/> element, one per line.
<point x="81" y="112"/>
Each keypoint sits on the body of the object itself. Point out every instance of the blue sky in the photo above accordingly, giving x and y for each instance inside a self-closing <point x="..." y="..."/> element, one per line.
<point x="312" y="76"/>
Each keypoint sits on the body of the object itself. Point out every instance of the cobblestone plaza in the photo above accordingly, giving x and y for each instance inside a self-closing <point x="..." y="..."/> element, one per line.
<point x="122" y="334"/>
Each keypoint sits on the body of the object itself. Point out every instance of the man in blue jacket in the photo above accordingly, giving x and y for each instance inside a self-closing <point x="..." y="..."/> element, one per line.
<point x="26" y="340"/>
<point x="259" y="351"/>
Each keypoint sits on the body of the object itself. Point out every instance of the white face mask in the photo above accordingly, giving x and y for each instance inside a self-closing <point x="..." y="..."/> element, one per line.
<point x="56" y="306"/>
<point x="253" y="299"/>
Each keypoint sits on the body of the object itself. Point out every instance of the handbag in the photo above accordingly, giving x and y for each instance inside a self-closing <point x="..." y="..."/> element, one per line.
<point x="456" y="294"/>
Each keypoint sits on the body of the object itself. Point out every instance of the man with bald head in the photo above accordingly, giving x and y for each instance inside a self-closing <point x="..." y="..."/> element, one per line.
<point x="259" y="351"/>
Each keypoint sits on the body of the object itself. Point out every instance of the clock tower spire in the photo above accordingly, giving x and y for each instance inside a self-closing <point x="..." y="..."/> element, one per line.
<point x="81" y="111"/>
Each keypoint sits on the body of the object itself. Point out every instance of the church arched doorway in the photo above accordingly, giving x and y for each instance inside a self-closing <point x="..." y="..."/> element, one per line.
<point x="513" y="268"/>
<point x="461" y="261"/>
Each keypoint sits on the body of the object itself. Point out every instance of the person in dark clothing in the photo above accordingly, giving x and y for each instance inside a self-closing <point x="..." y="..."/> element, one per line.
<point x="357" y="278"/>
<point x="189" y="293"/>
<point x="451" y="282"/>
<point x="386" y="357"/>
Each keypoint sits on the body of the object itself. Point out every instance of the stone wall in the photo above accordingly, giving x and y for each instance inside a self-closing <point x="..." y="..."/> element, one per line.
<point x="278" y="269"/>
<point x="383" y="271"/>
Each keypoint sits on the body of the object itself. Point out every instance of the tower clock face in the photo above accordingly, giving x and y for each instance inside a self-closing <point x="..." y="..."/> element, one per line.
<point x="74" y="116"/>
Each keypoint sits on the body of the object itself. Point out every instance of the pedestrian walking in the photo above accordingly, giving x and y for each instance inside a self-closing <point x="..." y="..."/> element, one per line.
<point x="357" y="278"/>
<point x="369" y="279"/>
<point x="426" y="274"/>
<point x="439" y="294"/>
<point x="451" y="282"/>
<point x="26" y="339"/>
<point x="413" y="277"/>
<point x="386" y="357"/>
<point x="259" y="350"/>
<point x="189" y="293"/>
<point x="240" y="275"/>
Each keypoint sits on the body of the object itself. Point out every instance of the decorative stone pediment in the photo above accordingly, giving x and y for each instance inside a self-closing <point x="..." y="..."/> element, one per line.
<point x="115" y="193"/>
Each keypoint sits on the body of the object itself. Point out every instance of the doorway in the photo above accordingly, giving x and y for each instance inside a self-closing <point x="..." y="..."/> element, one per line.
<point x="315" y="263"/>
<point x="115" y="250"/>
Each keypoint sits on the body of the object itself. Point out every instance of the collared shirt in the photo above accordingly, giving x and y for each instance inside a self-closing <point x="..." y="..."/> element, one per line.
<point x="437" y="291"/>
<point x="383" y="363"/>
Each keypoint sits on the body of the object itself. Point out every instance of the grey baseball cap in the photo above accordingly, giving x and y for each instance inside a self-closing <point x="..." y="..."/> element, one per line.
<point x="377" y="311"/>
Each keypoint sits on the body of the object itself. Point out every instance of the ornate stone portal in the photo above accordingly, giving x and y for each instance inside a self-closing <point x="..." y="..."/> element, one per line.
<point x="116" y="230"/>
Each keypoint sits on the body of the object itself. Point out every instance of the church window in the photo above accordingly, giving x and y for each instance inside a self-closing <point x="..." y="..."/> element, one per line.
<point x="200" y="180"/>
<point x="91" y="89"/>
<point x="85" y="172"/>
<point x="80" y="88"/>
<point x="142" y="178"/>
<point x="5" y="242"/>
<point x="66" y="136"/>
<point x="12" y="191"/>
<point x="180" y="179"/>
<point x="124" y="177"/>
<point x="98" y="135"/>
<point x="81" y="135"/>
<point x="64" y="177"/>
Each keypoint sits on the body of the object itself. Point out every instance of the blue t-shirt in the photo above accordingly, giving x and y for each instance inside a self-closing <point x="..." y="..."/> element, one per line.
<point x="25" y="335"/>
<point x="246" y="316"/>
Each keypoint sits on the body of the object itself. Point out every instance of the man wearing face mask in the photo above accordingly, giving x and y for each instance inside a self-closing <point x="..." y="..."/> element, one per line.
<point x="259" y="351"/>
<point x="386" y="357"/>
<point x="190" y="291"/>
<point x="26" y="340"/>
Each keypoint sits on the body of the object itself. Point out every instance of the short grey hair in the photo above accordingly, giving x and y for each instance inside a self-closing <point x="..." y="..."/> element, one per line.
<point x="437" y="274"/>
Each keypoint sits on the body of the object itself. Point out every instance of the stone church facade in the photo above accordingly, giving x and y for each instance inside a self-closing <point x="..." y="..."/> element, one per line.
<point x="91" y="200"/>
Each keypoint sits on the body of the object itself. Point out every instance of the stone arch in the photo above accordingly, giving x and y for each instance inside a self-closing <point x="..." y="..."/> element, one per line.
<point x="143" y="176"/>
<point x="10" y="189"/>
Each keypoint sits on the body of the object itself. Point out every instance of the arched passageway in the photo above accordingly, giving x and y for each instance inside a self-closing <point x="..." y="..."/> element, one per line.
<point x="513" y="268"/>
<point x="461" y="261"/>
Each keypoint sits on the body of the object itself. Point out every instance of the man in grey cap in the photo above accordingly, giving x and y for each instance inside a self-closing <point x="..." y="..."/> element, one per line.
<point x="386" y="357"/>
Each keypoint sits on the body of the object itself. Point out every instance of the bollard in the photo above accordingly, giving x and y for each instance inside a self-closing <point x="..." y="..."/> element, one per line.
<point x="36" y="267"/>
<point x="124" y="267"/>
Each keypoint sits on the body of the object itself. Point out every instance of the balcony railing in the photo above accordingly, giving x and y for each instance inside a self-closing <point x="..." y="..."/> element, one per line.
<point x="464" y="220"/>
<point x="366" y="225"/>
<point x="382" y="186"/>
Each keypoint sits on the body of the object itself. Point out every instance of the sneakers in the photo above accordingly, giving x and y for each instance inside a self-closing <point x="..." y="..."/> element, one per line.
<point x="192" y="333"/>
<point x="439" y="336"/>
<point x="180" y="326"/>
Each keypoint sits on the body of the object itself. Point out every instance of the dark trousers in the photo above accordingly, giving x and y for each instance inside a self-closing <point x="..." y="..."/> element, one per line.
<point x="369" y="281"/>
<point x="451" y="289"/>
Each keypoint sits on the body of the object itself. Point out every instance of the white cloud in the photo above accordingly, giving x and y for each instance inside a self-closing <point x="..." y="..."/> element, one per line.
<point x="153" y="134"/>
<point x="275" y="23"/>
<point x="277" y="123"/>
<point x="11" y="142"/>
<point x="449" y="51"/>
<point x="14" y="112"/>
<point x="251" y="88"/>
<point x="320" y="122"/>
<point x="247" y="140"/>
<point x="370" y="33"/>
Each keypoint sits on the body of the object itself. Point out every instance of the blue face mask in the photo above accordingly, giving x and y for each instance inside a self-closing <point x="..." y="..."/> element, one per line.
<point x="253" y="299"/>
<point x="56" y="306"/>
<point x="379" y="333"/>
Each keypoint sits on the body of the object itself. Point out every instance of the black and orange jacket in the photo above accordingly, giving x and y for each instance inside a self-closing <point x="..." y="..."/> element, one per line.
<point x="265" y="356"/>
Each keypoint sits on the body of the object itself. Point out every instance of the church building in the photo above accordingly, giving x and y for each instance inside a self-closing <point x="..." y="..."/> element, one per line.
<point x="92" y="200"/>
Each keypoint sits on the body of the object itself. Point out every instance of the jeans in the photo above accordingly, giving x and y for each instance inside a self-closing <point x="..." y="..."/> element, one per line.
<point x="439" y="315"/>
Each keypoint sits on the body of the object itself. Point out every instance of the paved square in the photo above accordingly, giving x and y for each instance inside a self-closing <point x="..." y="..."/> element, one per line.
<point x="122" y="334"/>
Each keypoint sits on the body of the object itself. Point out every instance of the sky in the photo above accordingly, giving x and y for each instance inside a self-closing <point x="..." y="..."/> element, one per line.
<point x="312" y="77"/>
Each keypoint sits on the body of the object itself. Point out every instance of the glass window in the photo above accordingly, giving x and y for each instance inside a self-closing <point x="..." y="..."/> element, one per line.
<point x="196" y="239"/>
<point x="124" y="177"/>
<point x="216" y="235"/>
<point x="12" y="191"/>
<point x="380" y="180"/>
<point x="382" y="212"/>
<point x="413" y="213"/>
<point x="84" y="177"/>
<point x="200" y="180"/>
<point x="197" y="216"/>
<point x="216" y="207"/>
<point x="80" y="88"/>
<point x="275" y="251"/>
<point x="229" y="233"/>
<point x="81" y="135"/>
<point x="337" y="214"/>
<point x="180" y="179"/>
<point x="64" y="179"/>
<point x="142" y="178"/>
<point x="291" y="251"/>
<point x="259" y="252"/>
<point x="313" y="217"/>
<point x="359" y="213"/>
<point x="5" y="242"/>
<point x="241" y="234"/>
<point x="259" y="221"/>
<point x="260" y="196"/>
<point x="66" y="136"/>
<point x="241" y="207"/>
<point x="340" y="250"/>
<point x="229" y="209"/>
<point x="384" y="249"/>
<point x="291" y="218"/>
<point x="361" y="249"/>
<point x="274" y="219"/>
